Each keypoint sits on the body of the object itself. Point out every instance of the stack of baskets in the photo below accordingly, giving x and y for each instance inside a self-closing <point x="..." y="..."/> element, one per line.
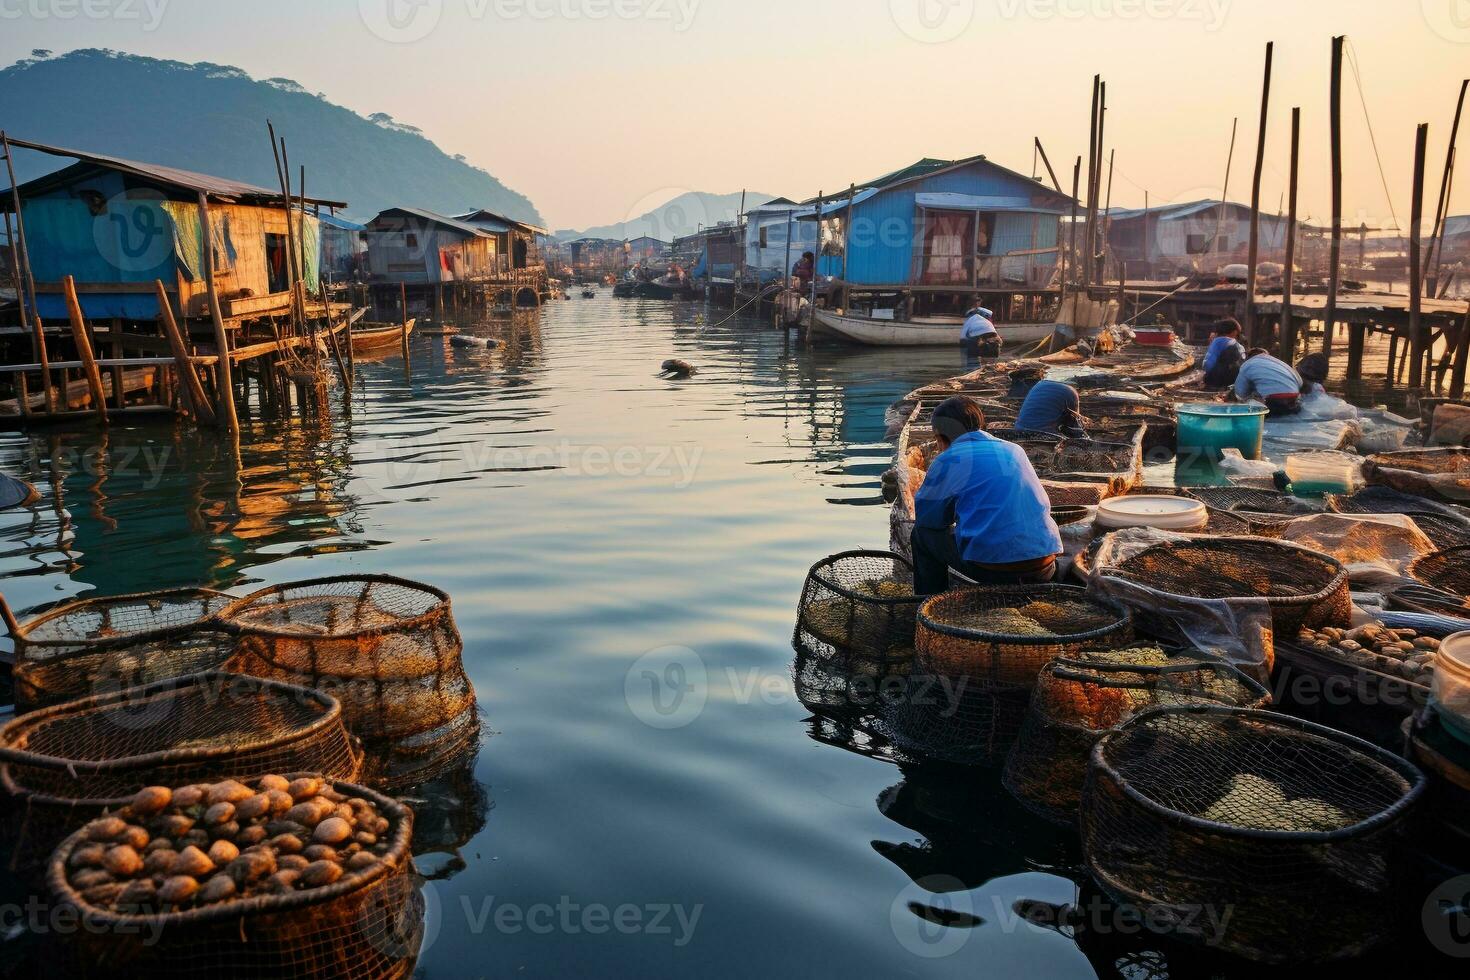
<point x="978" y="654"/>
<point x="1079" y="699"/>
<point x="854" y="626"/>
<point x="386" y="647"/>
<point x="1266" y="511"/>
<point x="98" y="645"/>
<point x="1252" y="832"/>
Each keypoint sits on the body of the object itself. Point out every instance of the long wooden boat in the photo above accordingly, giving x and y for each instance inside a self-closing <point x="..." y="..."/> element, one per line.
<point x="370" y="339"/>
<point x="919" y="332"/>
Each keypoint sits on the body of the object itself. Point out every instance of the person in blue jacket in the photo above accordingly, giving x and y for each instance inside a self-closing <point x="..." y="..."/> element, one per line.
<point x="981" y="509"/>
<point x="1225" y="355"/>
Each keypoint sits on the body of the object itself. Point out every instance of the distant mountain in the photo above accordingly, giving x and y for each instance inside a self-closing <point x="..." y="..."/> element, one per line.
<point x="682" y="216"/>
<point x="211" y="118"/>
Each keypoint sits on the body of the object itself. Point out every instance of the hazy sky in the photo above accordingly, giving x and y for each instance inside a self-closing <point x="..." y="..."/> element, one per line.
<point x="602" y="109"/>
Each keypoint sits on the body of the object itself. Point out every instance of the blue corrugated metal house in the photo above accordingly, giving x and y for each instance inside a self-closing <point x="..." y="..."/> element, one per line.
<point x="943" y="226"/>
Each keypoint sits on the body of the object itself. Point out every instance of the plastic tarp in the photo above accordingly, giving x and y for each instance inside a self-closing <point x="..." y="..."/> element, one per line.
<point x="1376" y="548"/>
<point x="189" y="239"/>
<point x="121" y="244"/>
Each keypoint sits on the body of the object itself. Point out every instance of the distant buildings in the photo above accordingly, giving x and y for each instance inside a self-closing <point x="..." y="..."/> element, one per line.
<point x="1196" y="237"/>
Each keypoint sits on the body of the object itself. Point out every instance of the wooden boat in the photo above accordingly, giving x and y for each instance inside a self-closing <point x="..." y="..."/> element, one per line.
<point x="375" y="339"/>
<point x="919" y="332"/>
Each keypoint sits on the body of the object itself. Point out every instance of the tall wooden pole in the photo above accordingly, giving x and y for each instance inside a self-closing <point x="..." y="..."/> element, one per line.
<point x="84" y="348"/>
<point x="1072" y="228"/>
<point x="1106" y="225"/>
<point x="1334" y="255"/>
<point x="847" y="243"/>
<point x="188" y="381"/>
<point x="1049" y="171"/>
<point x="1288" y="272"/>
<point x="1085" y="265"/>
<point x="226" y="414"/>
<point x="1253" y="250"/>
<point x="1094" y="267"/>
<point x="1436" y="240"/>
<point x="1416" y="284"/>
<point x="816" y="259"/>
<point x="38" y="333"/>
<point x="1462" y="358"/>
<point x="1224" y="190"/>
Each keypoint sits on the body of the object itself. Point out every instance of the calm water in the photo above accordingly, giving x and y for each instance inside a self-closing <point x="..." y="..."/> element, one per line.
<point x="604" y="534"/>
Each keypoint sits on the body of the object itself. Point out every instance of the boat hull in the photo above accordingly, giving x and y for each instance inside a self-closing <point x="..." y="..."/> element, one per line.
<point x="379" y="339"/>
<point x="894" y="333"/>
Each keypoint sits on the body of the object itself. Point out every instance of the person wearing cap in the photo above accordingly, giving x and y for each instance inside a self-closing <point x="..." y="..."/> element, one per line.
<point x="979" y="337"/>
<point x="1313" y="368"/>
<point x="1270" y="380"/>
<point x="981" y="509"/>
<point x="1224" y="356"/>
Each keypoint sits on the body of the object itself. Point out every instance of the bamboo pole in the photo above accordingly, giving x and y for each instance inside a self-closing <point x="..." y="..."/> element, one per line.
<point x="1416" y="285"/>
<point x="1107" y="221"/>
<point x="1224" y="190"/>
<point x="188" y="381"/>
<point x="38" y="333"/>
<point x="297" y="310"/>
<point x="403" y="300"/>
<point x="276" y="150"/>
<point x="1049" y="171"/>
<point x="847" y="243"/>
<point x="1085" y="266"/>
<point x="1094" y="265"/>
<point x="1253" y="250"/>
<point x="816" y="261"/>
<point x="226" y="394"/>
<point x="1288" y="272"/>
<point x="1071" y="229"/>
<point x="1462" y="358"/>
<point x="84" y="347"/>
<point x="1436" y="240"/>
<point x="1334" y="258"/>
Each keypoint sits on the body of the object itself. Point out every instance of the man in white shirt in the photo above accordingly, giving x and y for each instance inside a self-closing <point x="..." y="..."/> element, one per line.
<point x="1272" y="381"/>
<point x="979" y="338"/>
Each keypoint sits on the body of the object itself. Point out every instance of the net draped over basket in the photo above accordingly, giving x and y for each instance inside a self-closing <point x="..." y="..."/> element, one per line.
<point x="1438" y="474"/>
<point x="1291" y="829"/>
<point x="974" y="667"/>
<point x="1078" y="699"/>
<point x="369" y="925"/>
<point x="387" y="648"/>
<point x="855" y="625"/>
<point x="1267" y="512"/>
<point x="61" y="766"/>
<point x="1448" y="571"/>
<point x="97" y="645"/>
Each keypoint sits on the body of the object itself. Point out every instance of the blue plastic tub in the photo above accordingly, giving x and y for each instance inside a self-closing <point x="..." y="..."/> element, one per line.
<point x="1211" y="428"/>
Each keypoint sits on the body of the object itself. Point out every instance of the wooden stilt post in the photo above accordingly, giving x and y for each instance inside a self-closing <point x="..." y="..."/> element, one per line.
<point x="1288" y="272"/>
<point x="1334" y="257"/>
<point x="1462" y="358"/>
<point x="404" y="338"/>
<point x="1441" y="211"/>
<point x="1417" y="343"/>
<point x="1094" y="267"/>
<point x="225" y="388"/>
<point x="1253" y="250"/>
<point x="23" y="260"/>
<point x="816" y="261"/>
<point x="84" y="348"/>
<point x="1084" y="265"/>
<point x="188" y="380"/>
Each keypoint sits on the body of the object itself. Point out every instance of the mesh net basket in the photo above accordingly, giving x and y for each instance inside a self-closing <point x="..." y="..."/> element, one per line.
<point x="1301" y="587"/>
<point x="62" y="765"/>
<point x="92" y="625"/>
<point x="1289" y="828"/>
<point x="1430" y="601"/>
<point x="1448" y="571"/>
<point x="1078" y="699"/>
<point x="965" y="697"/>
<point x="405" y="763"/>
<point x="855" y="621"/>
<point x="1437" y="474"/>
<point x="366" y="925"/>
<point x="387" y="648"/>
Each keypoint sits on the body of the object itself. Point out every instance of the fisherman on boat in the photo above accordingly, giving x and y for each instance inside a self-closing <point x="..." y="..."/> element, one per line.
<point x="978" y="337"/>
<point x="1225" y="355"/>
<point x="1271" y="380"/>
<point x="981" y="509"/>
<point x="1051" y="407"/>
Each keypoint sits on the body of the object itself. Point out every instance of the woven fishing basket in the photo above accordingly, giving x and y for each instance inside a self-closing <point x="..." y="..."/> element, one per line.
<point x="1266" y="511"/>
<point x="1290" y="829"/>
<point x="386" y="647"/>
<point x="856" y="619"/>
<point x="97" y="645"/>
<point x="63" y="765"/>
<point x="1078" y="699"/>
<point x="369" y="924"/>
<point x="1448" y="571"/>
<point x="1436" y="474"/>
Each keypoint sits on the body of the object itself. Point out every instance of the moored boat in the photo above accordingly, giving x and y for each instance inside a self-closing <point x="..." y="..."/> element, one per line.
<point x="370" y="339"/>
<point x="920" y="331"/>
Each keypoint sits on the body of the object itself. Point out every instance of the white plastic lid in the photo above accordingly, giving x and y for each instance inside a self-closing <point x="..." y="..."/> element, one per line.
<point x="1162" y="512"/>
<point x="1454" y="654"/>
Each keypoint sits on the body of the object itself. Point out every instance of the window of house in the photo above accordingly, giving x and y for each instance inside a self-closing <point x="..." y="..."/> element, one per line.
<point x="765" y="236"/>
<point x="1197" y="244"/>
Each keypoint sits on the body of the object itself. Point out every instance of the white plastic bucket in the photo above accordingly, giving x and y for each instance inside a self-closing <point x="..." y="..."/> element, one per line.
<point x="1160" y="512"/>
<point x="1450" y="693"/>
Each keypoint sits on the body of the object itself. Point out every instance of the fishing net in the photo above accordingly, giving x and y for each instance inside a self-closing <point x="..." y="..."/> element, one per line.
<point x="399" y="764"/>
<point x="1092" y="456"/>
<point x="385" y="647"/>
<point x="855" y="623"/>
<point x="369" y="924"/>
<point x="978" y="654"/>
<point x="1377" y="545"/>
<point x="1291" y="829"/>
<point x="1438" y="474"/>
<point x="1226" y="596"/>
<point x="1266" y="511"/>
<point x="1430" y="601"/>
<point x="1077" y="699"/>
<point x="1448" y="571"/>
<point x="62" y="765"/>
<point x="91" y="625"/>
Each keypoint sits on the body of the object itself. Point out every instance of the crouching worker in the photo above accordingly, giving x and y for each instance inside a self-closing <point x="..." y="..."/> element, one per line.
<point x="981" y="509"/>
<point x="1051" y="407"/>
<point x="1272" y="381"/>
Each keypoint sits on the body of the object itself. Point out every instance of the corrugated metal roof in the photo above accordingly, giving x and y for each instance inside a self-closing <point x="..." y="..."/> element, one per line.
<point x="217" y="187"/>
<point x="975" y="202"/>
<point x="491" y="216"/>
<point x="1173" y="212"/>
<point x="437" y="219"/>
<point x="331" y="220"/>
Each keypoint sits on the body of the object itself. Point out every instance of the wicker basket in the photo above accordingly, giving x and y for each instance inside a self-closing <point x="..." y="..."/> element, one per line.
<point x="366" y="925"/>
<point x="63" y="765"/>
<point x="1078" y="699"/>
<point x="1436" y="474"/>
<point x="1448" y="571"/>
<point x="1292" y="829"/>
<point x="855" y="621"/>
<point x="105" y="644"/>
<point x="386" y="647"/>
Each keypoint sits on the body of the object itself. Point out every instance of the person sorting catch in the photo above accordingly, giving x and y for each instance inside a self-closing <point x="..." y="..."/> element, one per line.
<point x="981" y="509"/>
<point x="1224" y="356"/>
<point x="1050" y="406"/>
<point x="1270" y="380"/>
<point x="978" y="337"/>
